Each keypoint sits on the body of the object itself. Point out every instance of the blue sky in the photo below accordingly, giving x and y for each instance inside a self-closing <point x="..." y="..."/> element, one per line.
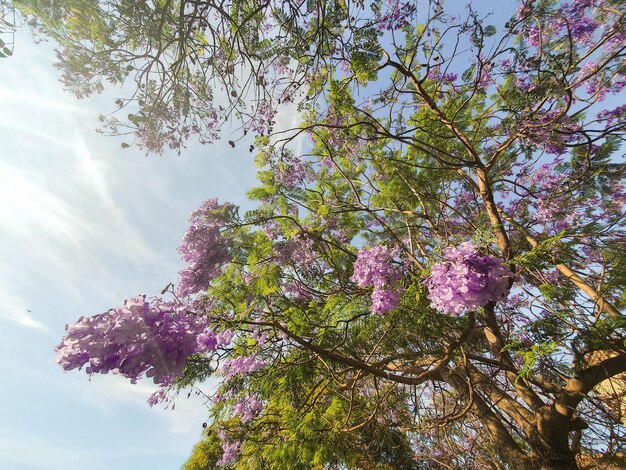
<point x="85" y="224"/>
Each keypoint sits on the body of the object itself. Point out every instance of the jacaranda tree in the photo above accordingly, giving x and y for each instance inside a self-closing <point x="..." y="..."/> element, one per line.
<point x="435" y="280"/>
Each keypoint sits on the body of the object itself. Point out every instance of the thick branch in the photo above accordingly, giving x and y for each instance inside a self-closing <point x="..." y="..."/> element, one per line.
<point x="484" y="189"/>
<point x="582" y="383"/>
<point x="431" y="374"/>
<point x="579" y="282"/>
<point x="521" y="415"/>
<point x="497" y="343"/>
<point x="504" y="443"/>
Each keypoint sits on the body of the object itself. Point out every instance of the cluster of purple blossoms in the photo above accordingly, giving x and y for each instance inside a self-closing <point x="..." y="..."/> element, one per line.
<point x="139" y="338"/>
<point x="552" y="130"/>
<point x="162" y="395"/>
<point x="385" y="299"/>
<point x="613" y="116"/>
<point x="248" y="408"/>
<point x="580" y="26"/>
<point x="296" y="290"/>
<point x="570" y="20"/>
<point x="210" y="340"/>
<point x="373" y="268"/>
<point x="399" y="15"/>
<point x="242" y="365"/>
<point x="484" y="78"/>
<point x="292" y="173"/>
<point x="467" y="279"/>
<point x="586" y="70"/>
<point x="300" y="250"/>
<point x="441" y="79"/>
<point x="598" y="85"/>
<point x="230" y="449"/>
<point x="546" y="182"/>
<point x="203" y="247"/>
<point x="547" y="198"/>
<point x="264" y="119"/>
<point x="350" y="145"/>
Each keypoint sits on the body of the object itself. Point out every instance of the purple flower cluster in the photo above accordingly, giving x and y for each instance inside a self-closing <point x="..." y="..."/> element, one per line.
<point x="580" y="26"/>
<point x="570" y="20"/>
<point x="210" y="340"/>
<point x="552" y="130"/>
<point x="346" y="139"/>
<point x="298" y="251"/>
<point x="264" y="119"/>
<point x="203" y="247"/>
<point x="292" y="173"/>
<point x="248" y="408"/>
<point x="548" y="195"/>
<point x="139" y="338"/>
<point x="296" y="290"/>
<point x="613" y="116"/>
<point x="547" y="198"/>
<point x="242" y="365"/>
<point x="398" y="16"/>
<point x="467" y="279"/>
<point x="484" y="79"/>
<point x="230" y="449"/>
<point x="373" y="268"/>
<point x="385" y="299"/>
<point x="162" y="395"/>
<point x="598" y="85"/>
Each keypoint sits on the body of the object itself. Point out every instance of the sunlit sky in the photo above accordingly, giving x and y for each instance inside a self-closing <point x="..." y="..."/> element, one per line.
<point x="85" y="224"/>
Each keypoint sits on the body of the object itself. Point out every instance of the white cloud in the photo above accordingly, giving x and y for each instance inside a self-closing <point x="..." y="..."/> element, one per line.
<point x="287" y="121"/>
<point x="27" y="451"/>
<point x="109" y="392"/>
<point x="35" y="98"/>
<point x="24" y="203"/>
<point x="16" y="310"/>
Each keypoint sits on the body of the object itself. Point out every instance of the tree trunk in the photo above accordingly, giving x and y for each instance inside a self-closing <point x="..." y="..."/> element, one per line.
<point x="550" y="446"/>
